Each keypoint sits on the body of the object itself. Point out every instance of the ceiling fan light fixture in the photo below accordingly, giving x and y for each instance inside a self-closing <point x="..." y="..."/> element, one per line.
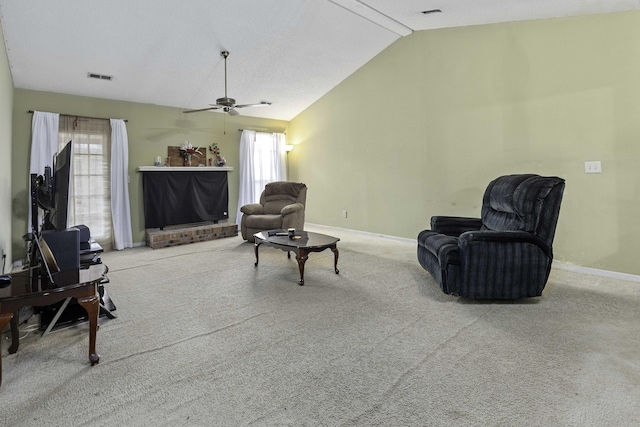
<point x="226" y="101"/>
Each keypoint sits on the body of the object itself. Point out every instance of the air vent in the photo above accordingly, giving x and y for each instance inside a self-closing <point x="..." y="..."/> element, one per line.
<point x="427" y="12"/>
<point x="99" y="76"/>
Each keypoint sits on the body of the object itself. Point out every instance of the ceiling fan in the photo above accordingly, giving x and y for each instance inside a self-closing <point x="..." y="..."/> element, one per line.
<point x="228" y="105"/>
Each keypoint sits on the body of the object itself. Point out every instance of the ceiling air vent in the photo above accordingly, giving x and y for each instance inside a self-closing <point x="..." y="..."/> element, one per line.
<point x="427" y="12"/>
<point x="99" y="76"/>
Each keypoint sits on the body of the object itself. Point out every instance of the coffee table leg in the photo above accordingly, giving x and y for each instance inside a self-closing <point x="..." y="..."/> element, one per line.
<point x="302" y="258"/>
<point x="334" y="249"/>
<point x="4" y="319"/>
<point x="90" y="304"/>
<point x="256" y="244"/>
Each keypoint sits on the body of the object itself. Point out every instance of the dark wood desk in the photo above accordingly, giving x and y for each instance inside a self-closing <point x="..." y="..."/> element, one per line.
<point x="305" y="243"/>
<point x="86" y="292"/>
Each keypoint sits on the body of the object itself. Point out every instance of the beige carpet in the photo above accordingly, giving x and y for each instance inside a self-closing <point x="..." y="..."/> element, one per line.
<point x="203" y="338"/>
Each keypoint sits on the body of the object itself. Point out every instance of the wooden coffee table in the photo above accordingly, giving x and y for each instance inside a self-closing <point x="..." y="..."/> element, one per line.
<point x="302" y="246"/>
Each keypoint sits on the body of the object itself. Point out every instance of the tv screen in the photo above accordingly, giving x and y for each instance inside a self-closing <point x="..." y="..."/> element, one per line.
<point x="61" y="182"/>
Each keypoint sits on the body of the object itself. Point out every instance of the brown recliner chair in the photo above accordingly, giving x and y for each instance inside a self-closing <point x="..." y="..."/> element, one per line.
<point x="281" y="206"/>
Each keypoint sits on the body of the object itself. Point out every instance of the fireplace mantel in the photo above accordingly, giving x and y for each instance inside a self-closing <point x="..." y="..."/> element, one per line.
<point x="184" y="168"/>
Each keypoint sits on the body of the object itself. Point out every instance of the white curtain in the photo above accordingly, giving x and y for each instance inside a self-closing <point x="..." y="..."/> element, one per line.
<point x="247" y="174"/>
<point x="44" y="145"/>
<point x="120" y="209"/>
<point x="280" y="141"/>
<point x="262" y="160"/>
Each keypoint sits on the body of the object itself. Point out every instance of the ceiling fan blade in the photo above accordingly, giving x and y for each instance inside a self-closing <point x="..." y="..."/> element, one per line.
<point x="259" y="104"/>
<point x="226" y="104"/>
<point x="201" y="109"/>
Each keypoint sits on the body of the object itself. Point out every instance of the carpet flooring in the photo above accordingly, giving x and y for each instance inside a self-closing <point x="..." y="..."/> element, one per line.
<point x="204" y="338"/>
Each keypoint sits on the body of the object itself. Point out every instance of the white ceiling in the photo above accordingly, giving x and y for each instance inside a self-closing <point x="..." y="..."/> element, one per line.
<point x="289" y="52"/>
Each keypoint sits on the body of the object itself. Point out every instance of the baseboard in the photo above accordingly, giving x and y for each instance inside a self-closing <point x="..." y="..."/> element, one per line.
<point x="364" y="233"/>
<point x="556" y="264"/>
<point x="595" y="271"/>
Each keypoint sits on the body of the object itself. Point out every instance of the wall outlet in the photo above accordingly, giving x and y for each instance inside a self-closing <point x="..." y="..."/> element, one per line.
<point x="593" y="167"/>
<point x="344" y="214"/>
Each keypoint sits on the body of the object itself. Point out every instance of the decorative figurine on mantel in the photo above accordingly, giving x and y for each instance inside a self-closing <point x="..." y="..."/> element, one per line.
<point x="217" y="158"/>
<point x="187" y="151"/>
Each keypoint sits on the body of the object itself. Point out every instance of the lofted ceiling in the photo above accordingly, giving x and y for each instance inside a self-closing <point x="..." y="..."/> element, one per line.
<point x="288" y="52"/>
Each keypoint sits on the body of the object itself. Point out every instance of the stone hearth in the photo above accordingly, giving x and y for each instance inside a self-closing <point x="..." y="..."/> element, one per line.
<point x="157" y="238"/>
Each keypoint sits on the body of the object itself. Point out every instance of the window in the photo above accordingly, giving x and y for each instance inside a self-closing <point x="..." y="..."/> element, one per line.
<point x="261" y="161"/>
<point x="90" y="193"/>
<point x="267" y="162"/>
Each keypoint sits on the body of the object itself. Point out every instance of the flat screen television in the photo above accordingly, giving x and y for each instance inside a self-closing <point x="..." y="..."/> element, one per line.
<point x="58" y="209"/>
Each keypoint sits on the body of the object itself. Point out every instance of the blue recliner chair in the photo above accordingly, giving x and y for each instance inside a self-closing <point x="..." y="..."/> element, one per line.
<point x="505" y="254"/>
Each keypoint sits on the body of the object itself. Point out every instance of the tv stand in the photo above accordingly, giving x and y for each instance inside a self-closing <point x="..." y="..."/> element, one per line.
<point x="88" y="254"/>
<point x="72" y="249"/>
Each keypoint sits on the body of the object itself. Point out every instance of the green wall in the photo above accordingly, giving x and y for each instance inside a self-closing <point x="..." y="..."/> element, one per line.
<point x="422" y="128"/>
<point x="6" y="101"/>
<point x="150" y="128"/>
